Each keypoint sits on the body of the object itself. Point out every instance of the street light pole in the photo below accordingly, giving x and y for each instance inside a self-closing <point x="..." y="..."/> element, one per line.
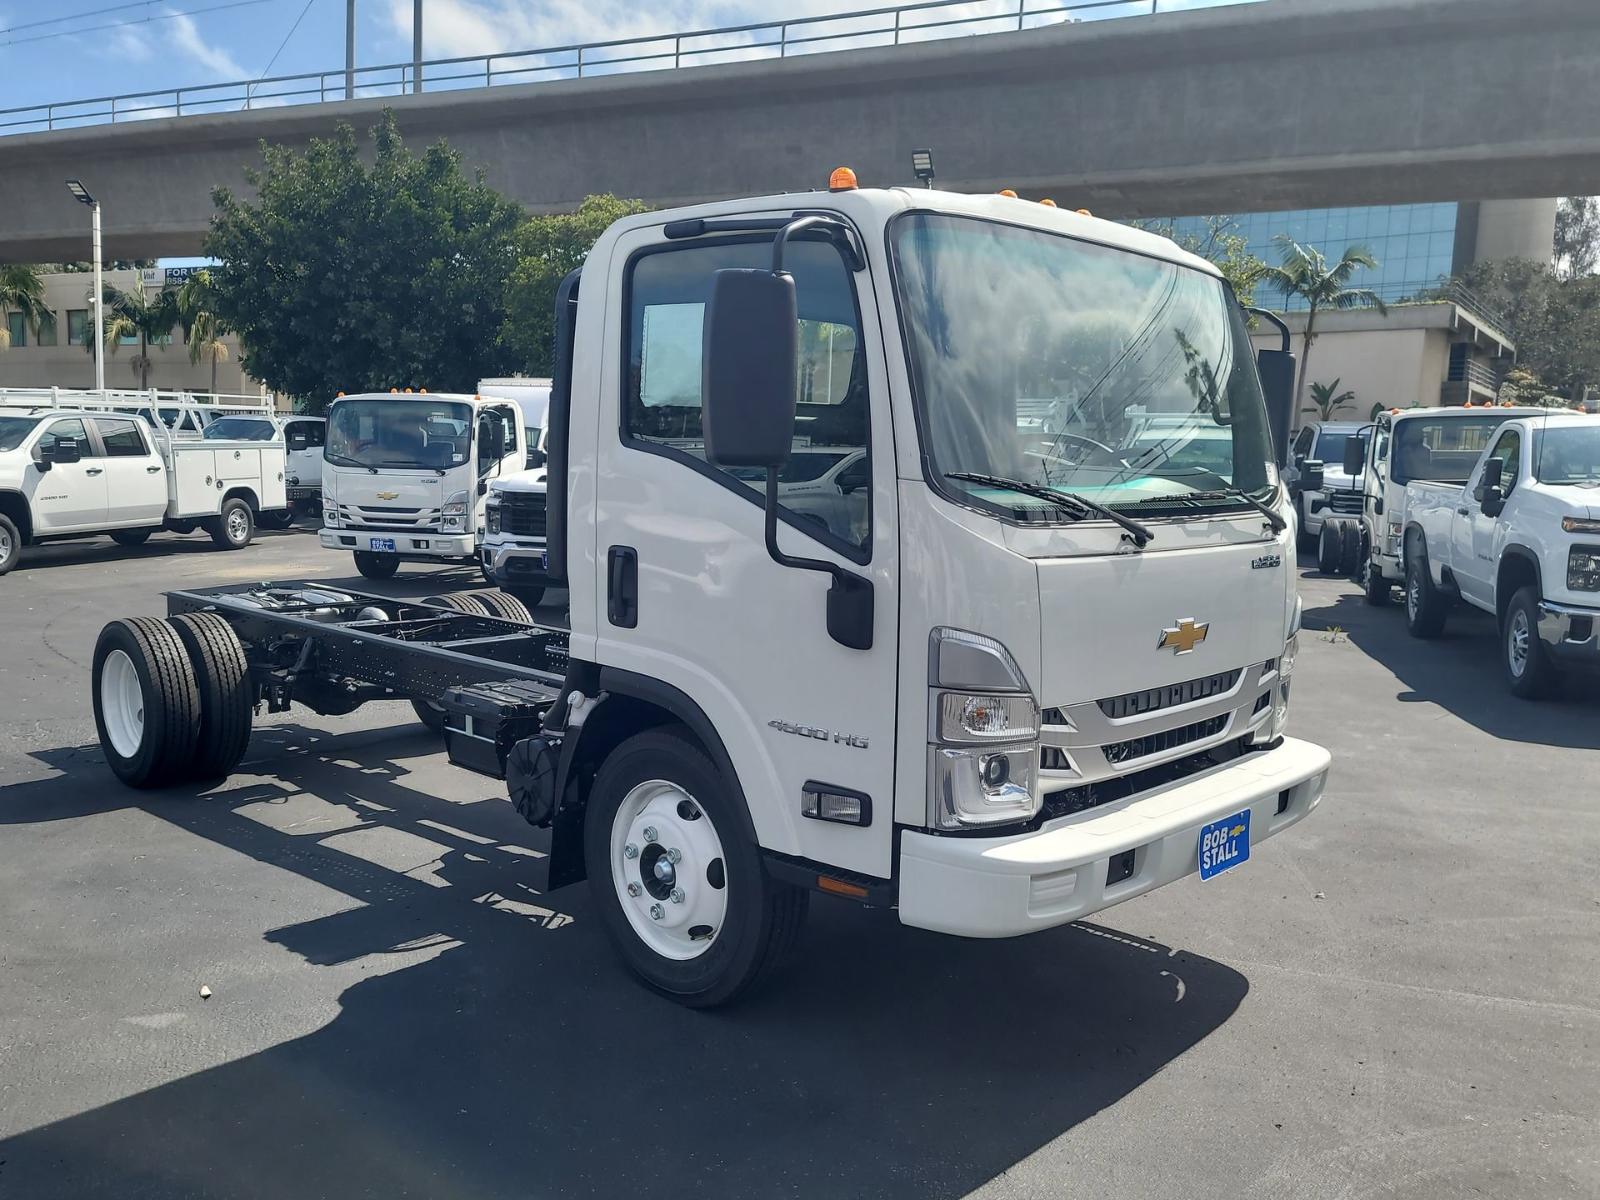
<point x="416" y="45"/>
<point x="82" y="196"/>
<point x="349" y="49"/>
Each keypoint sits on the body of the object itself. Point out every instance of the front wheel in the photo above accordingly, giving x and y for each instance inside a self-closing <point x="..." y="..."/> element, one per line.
<point x="234" y="526"/>
<point x="376" y="566"/>
<point x="131" y="537"/>
<point x="1530" y="672"/>
<point x="10" y="544"/>
<point x="1426" y="605"/>
<point x="1378" y="590"/>
<point x="677" y="877"/>
<point x="1330" y="547"/>
<point x="276" y="518"/>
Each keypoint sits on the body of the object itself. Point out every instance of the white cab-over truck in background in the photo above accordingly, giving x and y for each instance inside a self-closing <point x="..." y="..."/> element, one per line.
<point x="1521" y="540"/>
<point x="74" y="464"/>
<point x="405" y="474"/>
<point x="1034" y="674"/>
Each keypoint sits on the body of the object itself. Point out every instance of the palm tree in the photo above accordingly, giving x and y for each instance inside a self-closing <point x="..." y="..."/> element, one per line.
<point x="22" y="289"/>
<point x="1329" y="399"/>
<point x="201" y="325"/>
<point x="133" y="313"/>
<point x="1305" y="273"/>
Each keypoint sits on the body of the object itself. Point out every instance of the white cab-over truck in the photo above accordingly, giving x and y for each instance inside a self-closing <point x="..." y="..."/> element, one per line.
<point x="1521" y="540"/>
<point x="405" y="474"/>
<point x="74" y="464"/>
<point x="1384" y="458"/>
<point x="1042" y="673"/>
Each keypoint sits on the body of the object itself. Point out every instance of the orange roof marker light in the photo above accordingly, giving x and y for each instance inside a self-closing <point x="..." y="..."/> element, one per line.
<point x="1048" y="203"/>
<point x="843" y="179"/>
<point x="422" y="391"/>
<point x="394" y="391"/>
<point x="1084" y="212"/>
<point x="1008" y="193"/>
<point x="338" y="396"/>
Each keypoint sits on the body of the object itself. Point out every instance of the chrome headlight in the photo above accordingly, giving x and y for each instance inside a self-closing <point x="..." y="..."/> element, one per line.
<point x="983" y="733"/>
<point x="455" y="510"/>
<point x="491" y="514"/>
<point x="1583" y="568"/>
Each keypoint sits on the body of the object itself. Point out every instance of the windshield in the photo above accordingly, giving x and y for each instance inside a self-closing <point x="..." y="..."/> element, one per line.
<point x="1330" y="449"/>
<point x="424" y="435"/>
<point x="241" y="428"/>
<point x="1070" y="365"/>
<point x="14" y="429"/>
<point x="1569" y="455"/>
<point x="1443" y="449"/>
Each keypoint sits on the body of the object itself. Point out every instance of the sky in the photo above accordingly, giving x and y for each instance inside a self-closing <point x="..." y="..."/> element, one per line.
<point x="164" y="44"/>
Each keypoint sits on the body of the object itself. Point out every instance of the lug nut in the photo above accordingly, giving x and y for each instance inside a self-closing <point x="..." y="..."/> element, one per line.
<point x="630" y="851"/>
<point x="677" y="895"/>
<point x="649" y="833"/>
<point x="634" y="889"/>
<point x="674" y="855"/>
<point x="657" y="912"/>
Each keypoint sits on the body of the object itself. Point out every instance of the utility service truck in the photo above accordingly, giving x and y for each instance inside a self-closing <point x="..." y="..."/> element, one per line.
<point x="302" y="439"/>
<point x="405" y="473"/>
<point x="79" y="463"/>
<point x="1521" y="540"/>
<point x="1038" y="673"/>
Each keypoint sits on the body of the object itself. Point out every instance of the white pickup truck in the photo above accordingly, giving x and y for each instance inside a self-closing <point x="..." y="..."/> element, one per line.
<point x="1521" y="540"/>
<point x="84" y="468"/>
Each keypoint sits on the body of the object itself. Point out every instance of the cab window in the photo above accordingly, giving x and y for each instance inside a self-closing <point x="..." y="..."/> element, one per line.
<point x="668" y="291"/>
<point x="1508" y="450"/>
<point x="122" y="439"/>
<point x="70" y="427"/>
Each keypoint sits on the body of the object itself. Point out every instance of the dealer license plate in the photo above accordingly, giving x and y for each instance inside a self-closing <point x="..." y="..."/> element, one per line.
<point x="1224" y="844"/>
<point x="382" y="544"/>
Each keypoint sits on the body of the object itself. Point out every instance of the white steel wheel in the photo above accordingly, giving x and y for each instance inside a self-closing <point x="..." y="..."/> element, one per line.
<point x="238" y="525"/>
<point x="122" y="703"/>
<point x="1519" y="637"/>
<point x="669" y="870"/>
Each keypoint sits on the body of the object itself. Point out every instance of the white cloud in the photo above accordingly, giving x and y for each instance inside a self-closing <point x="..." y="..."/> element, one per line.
<point x="185" y="36"/>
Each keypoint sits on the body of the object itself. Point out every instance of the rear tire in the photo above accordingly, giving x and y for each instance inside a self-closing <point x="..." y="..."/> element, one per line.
<point x="234" y="526"/>
<point x="227" y="701"/>
<point x="1530" y="671"/>
<point x="531" y="597"/>
<point x="430" y="714"/>
<point x="731" y="923"/>
<point x="146" y="702"/>
<point x="463" y="602"/>
<point x="131" y="537"/>
<point x="1426" y="605"/>
<point x="376" y="566"/>
<point x="275" y="518"/>
<point x="1330" y="547"/>
<point x="1352" y="549"/>
<point x="509" y="608"/>
<point x="1378" y="590"/>
<point x="1304" y="538"/>
<point x="10" y="544"/>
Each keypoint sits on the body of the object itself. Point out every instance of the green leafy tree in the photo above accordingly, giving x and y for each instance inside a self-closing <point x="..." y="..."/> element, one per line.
<point x="1305" y="273"/>
<point x="340" y="276"/>
<point x="1328" y="399"/>
<point x="202" y="326"/>
<point x="1219" y="243"/>
<point x="21" y="290"/>
<point x="1554" y="321"/>
<point x="548" y="248"/>
<point x="1577" y="240"/>
<point x="134" y="313"/>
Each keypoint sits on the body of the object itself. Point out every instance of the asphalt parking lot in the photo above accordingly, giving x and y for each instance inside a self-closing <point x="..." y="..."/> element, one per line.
<point x="1397" y="997"/>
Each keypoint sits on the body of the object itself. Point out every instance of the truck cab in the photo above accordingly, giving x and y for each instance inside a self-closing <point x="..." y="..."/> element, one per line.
<point x="405" y="474"/>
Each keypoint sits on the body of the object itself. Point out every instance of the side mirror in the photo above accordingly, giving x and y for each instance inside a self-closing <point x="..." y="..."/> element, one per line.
<point x="750" y="356"/>
<point x="1494" y="500"/>
<point x="1494" y="473"/>
<point x="1355" y="456"/>
<point x="1311" y="478"/>
<point x="298" y="441"/>
<point x="1277" y="385"/>
<point x="44" y="457"/>
<point x="491" y="441"/>
<point x="65" y="450"/>
<point x="536" y="458"/>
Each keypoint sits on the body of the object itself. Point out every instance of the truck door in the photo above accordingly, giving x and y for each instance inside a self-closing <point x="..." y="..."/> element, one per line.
<point x="69" y="496"/>
<point x="136" y="482"/>
<point x="303" y="442"/>
<point x="685" y="590"/>
<point x="1485" y="533"/>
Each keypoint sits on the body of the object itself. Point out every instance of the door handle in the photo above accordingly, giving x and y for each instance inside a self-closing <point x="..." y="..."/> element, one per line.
<point x="151" y="470"/>
<point x="1463" y="511"/>
<point x="622" y="586"/>
<point x="94" y="471"/>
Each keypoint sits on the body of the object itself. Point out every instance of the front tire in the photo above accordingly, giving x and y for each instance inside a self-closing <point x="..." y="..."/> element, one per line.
<point x="678" y="880"/>
<point x="1426" y="605"/>
<point x="234" y="526"/>
<point x="376" y="566"/>
<point x="275" y="519"/>
<point x="131" y="537"/>
<point x="1330" y="547"/>
<point x="1530" y="671"/>
<point x="146" y="702"/>
<point x="1378" y="590"/>
<point x="10" y="544"/>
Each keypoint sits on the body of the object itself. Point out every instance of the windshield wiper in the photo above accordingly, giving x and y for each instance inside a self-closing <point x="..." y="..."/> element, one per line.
<point x="340" y="460"/>
<point x="1273" y="516"/>
<point x="1079" y="506"/>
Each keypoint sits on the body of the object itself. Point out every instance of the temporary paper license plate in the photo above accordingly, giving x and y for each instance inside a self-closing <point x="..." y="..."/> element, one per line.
<point x="1224" y="844"/>
<point x="382" y="544"/>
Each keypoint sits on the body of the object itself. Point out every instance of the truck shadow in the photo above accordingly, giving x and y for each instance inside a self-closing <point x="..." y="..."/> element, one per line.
<point x="1459" y="671"/>
<point x="519" y="1060"/>
<point x="100" y="549"/>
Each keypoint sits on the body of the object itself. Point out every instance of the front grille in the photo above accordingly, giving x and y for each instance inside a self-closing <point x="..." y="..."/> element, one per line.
<point x="522" y="514"/>
<point x="1348" y="503"/>
<point x="1156" y="743"/>
<point x="1065" y="801"/>
<point x="1133" y="704"/>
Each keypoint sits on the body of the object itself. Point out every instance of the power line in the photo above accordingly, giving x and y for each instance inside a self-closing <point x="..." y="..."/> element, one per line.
<point x="125" y="24"/>
<point x="265" y="71"/>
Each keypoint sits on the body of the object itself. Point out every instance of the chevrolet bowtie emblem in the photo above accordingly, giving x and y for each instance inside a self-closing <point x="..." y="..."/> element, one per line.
<point x="396" y="496"/>
<point x="1184" y="636"/>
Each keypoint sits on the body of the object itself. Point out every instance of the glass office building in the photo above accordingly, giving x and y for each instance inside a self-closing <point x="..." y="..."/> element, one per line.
<point x="1415" y="244"/>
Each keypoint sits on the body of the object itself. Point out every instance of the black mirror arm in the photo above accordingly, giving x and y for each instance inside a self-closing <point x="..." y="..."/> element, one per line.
<point x="800" y="225"/>
<point x="778" y="556"/>
<point x="850" y="599"/>
<point x="1273" y="318"/>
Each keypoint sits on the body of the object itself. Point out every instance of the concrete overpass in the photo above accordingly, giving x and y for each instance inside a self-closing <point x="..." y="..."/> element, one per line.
<point x="1285" y="104"/>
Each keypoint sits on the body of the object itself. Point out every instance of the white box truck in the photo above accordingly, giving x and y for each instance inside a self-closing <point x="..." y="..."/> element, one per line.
<point x="1044" y="669"/>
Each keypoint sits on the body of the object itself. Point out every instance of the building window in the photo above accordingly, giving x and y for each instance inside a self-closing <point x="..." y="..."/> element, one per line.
<point x="17" y="327"/>
<point x="77" y="327"/>
<point x="47" y="329"/>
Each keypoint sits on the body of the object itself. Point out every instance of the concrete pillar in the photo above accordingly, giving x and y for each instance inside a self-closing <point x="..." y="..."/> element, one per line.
<point x="1516" y="229"/>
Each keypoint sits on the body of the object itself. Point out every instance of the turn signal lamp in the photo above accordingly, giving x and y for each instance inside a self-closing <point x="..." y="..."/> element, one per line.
<point x="843" y="179"/>
<point x="1047" y="202"/>
<point x="1008" y="193"/>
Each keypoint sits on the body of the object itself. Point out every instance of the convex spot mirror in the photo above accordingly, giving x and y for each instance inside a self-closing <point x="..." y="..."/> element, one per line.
<point x="750" y="354"/>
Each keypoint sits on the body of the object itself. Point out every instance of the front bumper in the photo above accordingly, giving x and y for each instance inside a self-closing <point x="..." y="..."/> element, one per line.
<point x="426" y="544"/>
<point x="1569" y="633"/>
<point x="1004" y="886"/>
<point x="510" y="563"/>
